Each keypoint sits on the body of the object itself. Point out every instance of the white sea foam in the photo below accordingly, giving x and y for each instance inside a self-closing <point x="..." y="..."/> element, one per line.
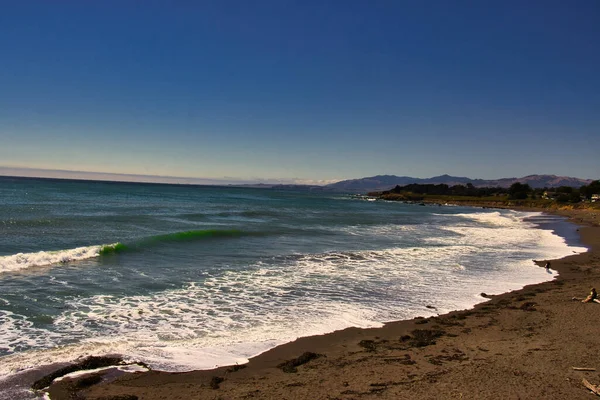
<point x="230" y="317"/>
<point x="497" y="218"/>
<point x="124" y="368"/>
<point x="21" y="261"/>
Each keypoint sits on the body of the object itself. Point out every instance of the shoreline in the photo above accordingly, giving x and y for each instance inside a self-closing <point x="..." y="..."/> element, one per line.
<point x="390" y="362"/>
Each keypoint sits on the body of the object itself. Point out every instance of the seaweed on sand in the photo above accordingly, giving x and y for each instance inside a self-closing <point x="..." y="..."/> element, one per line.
<point x="424" y="337"/>
<point x="290" y="365"/>
<point x="368" y="345"/>
<point x="528" y="306"/>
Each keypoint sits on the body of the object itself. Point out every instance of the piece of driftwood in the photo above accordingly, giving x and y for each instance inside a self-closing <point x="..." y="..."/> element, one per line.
<point x="591" y="387"/>
<point x="583" y="369"/>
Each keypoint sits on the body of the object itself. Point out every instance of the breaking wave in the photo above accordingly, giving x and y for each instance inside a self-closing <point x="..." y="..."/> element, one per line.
<point x="21" y="261"/>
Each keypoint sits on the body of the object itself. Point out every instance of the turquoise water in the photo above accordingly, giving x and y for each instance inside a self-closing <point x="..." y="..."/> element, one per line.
<point x="186" y="277"/>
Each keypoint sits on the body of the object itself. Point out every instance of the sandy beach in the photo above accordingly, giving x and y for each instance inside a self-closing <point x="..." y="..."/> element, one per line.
<point x="518" y="345"/>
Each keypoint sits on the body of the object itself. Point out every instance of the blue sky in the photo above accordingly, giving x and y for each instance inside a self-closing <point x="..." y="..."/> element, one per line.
<point x="309" y="91"/>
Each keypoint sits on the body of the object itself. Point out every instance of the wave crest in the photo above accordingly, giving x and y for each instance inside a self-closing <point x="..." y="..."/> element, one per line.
<point x="20" y="261"/>
<point x="111" y="248"/>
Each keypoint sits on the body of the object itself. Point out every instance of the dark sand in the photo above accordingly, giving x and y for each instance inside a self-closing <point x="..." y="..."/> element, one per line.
<point x="518" y="345"/>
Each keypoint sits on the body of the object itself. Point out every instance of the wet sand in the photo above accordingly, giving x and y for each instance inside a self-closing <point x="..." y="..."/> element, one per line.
<point x="518" y="345"/>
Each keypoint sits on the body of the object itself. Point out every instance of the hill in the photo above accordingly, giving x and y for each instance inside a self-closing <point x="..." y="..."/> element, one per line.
<point x="386" y="182"/>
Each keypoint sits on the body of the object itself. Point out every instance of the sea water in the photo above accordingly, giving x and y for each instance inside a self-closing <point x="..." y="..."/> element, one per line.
<point x="190" y="277"/>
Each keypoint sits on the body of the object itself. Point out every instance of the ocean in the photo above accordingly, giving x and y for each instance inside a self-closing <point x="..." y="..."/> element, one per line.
<point x="191" y="277"/>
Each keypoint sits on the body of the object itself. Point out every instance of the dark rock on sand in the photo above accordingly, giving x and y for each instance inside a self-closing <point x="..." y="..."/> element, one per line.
<point x="215" y="381"/>
<point x="88" y="381"/>
<point x="87" y="363"/>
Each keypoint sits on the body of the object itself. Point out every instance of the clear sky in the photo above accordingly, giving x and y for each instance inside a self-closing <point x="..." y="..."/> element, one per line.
<point x="302" y="90"/>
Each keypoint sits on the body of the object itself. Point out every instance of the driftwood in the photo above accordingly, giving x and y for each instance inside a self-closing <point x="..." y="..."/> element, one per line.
<point x="593" y="388"/>
<point x="583" y="369"/>
<point x="580" y="299"/>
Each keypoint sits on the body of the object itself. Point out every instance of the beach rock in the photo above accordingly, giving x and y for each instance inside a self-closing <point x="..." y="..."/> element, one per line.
<point x="215" y="381"/>
<point x="88" y="381"/>
<point x="87" y="363"/>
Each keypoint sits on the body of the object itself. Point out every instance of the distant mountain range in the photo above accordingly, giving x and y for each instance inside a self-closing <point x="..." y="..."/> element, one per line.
<point x="386" y="182"/>
<point x="362" y="185"/>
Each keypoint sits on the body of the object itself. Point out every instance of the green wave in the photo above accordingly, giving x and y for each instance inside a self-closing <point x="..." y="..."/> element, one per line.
<point x="108" y="249"/>
<point x="112" y="249"/>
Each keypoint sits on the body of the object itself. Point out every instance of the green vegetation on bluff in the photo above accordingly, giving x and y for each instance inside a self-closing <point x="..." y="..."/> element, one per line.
<point x="517" y="194"/>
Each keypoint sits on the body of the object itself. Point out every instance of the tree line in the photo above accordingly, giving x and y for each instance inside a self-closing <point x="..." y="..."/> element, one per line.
<point x="517" y="191"/>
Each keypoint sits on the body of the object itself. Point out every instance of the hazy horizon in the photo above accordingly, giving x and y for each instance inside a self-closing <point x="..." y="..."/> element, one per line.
<point x="91" y="175"/>
<point x="100" y="176"/>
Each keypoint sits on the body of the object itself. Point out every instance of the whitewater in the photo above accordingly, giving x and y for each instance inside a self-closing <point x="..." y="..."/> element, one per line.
<point x="184" y="277"/>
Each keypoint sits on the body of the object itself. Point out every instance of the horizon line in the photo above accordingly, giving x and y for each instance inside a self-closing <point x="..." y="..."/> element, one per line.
<point x="44" y="173"/>
<point x="27" y="172"/>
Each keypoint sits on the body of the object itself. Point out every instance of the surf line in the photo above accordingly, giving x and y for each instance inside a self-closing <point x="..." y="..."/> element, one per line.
<point x="22" y="261"/>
